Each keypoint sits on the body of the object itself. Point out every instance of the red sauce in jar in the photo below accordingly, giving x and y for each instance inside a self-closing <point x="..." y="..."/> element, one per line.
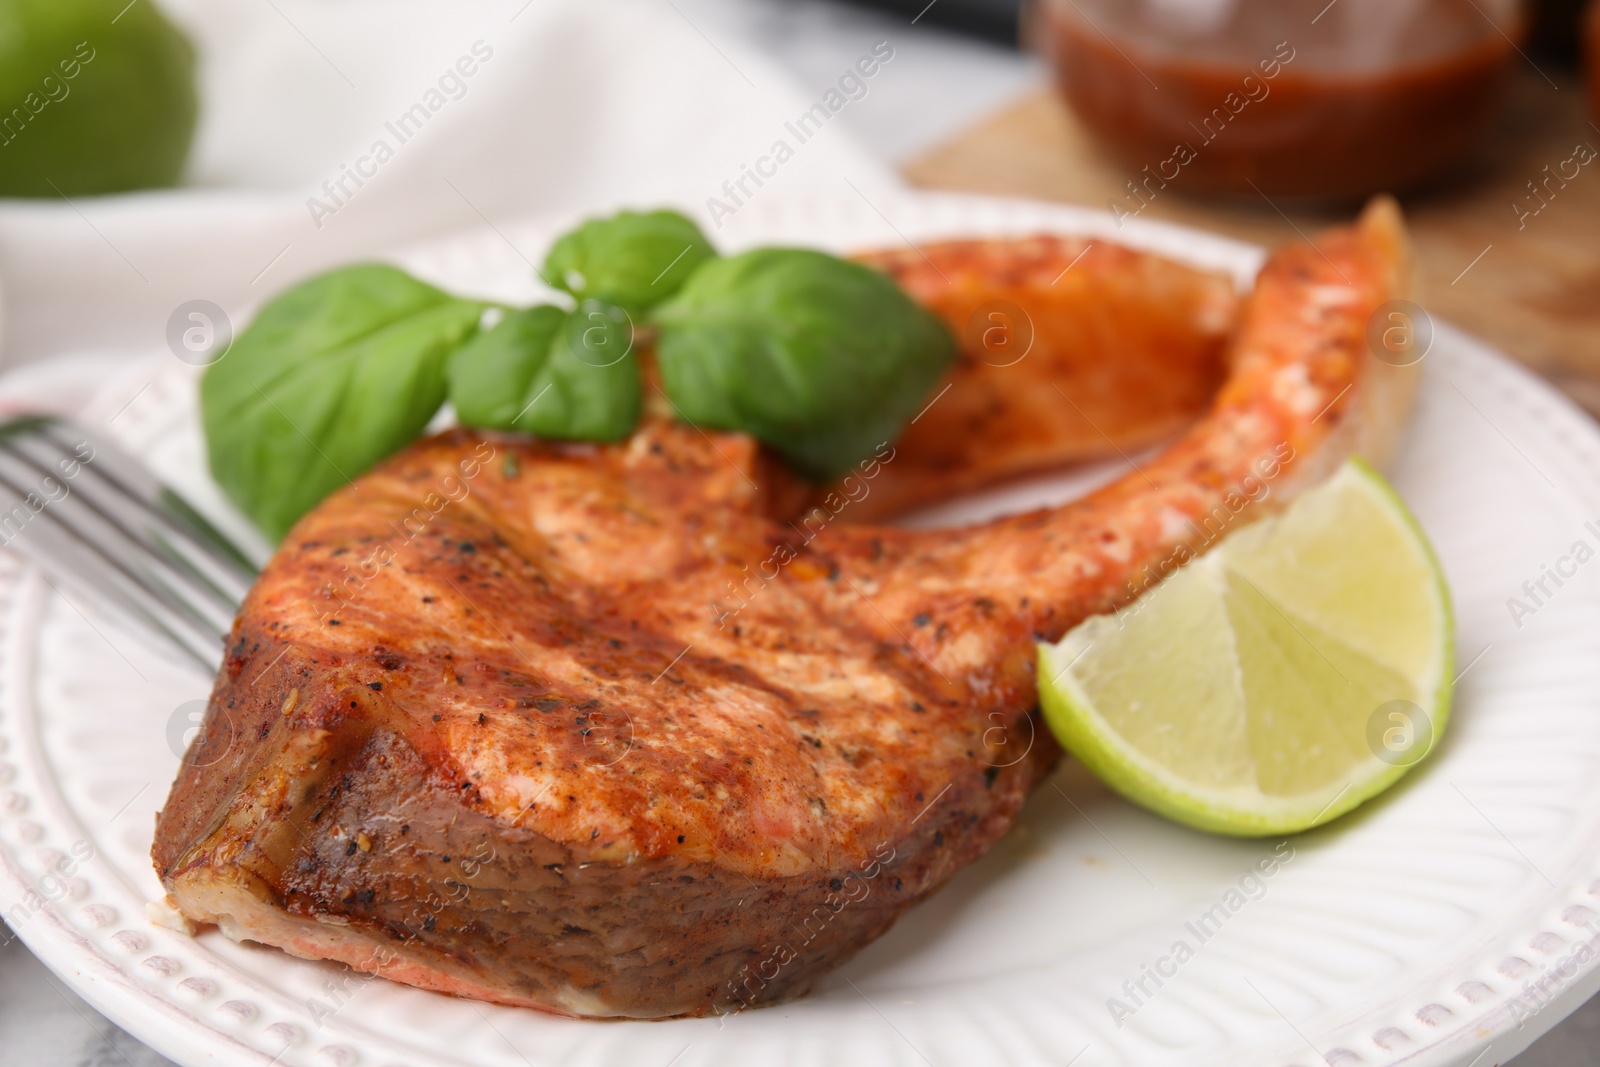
<point x="1267" y="96"/>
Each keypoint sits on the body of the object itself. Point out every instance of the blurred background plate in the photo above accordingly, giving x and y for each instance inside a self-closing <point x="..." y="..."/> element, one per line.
<point x="1449" y="922"/>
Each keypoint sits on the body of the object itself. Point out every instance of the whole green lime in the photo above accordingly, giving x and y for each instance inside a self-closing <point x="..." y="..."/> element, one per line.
<point x="96" y="96"/>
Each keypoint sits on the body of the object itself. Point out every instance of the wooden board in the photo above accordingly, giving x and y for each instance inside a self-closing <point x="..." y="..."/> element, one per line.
<point x="1527" y="280"/>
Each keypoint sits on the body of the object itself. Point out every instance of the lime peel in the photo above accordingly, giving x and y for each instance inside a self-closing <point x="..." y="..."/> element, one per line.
<point x="1298" y="669"/>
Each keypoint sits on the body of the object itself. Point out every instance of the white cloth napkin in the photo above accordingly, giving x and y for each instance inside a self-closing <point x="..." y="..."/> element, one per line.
<point x="487" y="111"/>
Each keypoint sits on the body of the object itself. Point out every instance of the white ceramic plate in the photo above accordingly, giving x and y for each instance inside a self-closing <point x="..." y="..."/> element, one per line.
<point x="1453" y="916"/>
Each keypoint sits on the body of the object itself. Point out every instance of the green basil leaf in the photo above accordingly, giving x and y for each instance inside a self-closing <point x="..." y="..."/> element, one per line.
<point x="546" y="372"/>
<point x="331" y="377"/>
<point x="820" y="358"/>
<point x="632" y="259"/>
<point x="491" y="374"/>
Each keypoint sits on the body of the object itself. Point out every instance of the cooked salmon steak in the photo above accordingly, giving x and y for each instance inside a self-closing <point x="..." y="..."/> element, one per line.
<point x="611" y="731"/>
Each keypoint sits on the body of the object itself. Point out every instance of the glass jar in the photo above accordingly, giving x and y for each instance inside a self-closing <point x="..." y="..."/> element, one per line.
<point x="1302" y="98"/>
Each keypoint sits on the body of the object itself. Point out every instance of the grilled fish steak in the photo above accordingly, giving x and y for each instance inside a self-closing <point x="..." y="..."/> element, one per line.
<point x="601" y="730"/>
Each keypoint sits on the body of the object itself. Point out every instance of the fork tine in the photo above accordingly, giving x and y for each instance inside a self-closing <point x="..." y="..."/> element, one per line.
<point x="162" y="509"/>
<point x="133" y="479"/>
<point x="116" y="534"/>
<point x="78" y="565"/>
<point x="94" y="560"/>
<point x="135" y="501"/>
<point x="12" y="448"/>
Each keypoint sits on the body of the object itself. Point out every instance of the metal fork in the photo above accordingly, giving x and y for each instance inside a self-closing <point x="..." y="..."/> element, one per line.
<point x="98" y="521"/>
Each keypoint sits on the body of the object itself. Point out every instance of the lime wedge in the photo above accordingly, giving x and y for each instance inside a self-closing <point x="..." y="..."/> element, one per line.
<point x="1299" y="668"/>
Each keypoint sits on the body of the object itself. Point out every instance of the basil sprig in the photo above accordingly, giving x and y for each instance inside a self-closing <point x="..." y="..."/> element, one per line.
<point x="820" y="358"/>
<point x="331" y="377"/>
